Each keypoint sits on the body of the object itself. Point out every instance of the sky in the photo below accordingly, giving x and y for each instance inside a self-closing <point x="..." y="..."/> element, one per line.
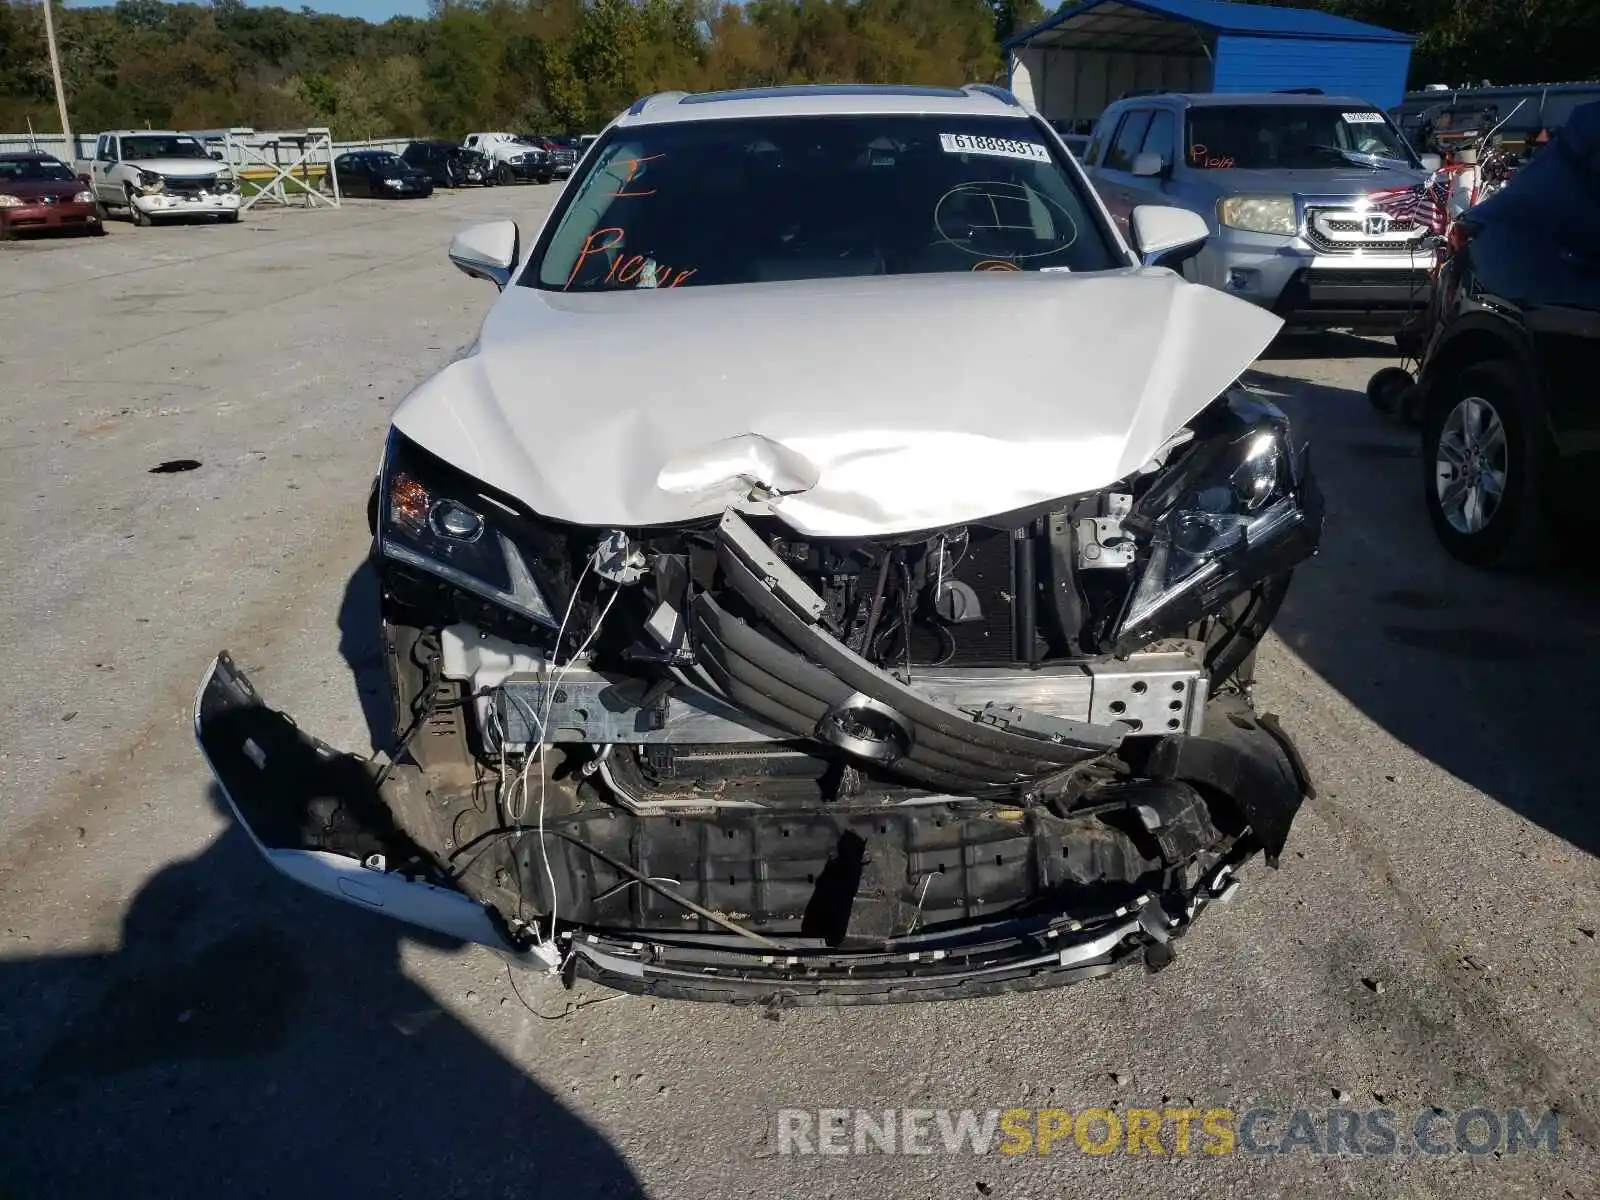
<point x="372" y="10"/>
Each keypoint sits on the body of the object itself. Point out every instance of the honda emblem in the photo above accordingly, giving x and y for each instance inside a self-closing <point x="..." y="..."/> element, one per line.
<point x="1375" y="224"/>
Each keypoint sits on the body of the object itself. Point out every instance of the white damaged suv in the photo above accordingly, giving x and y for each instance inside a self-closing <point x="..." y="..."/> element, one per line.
<point x="833" y="575"/>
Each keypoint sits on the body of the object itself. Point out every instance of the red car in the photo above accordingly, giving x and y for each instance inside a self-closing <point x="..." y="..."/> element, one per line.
<point x="41" y="192"/>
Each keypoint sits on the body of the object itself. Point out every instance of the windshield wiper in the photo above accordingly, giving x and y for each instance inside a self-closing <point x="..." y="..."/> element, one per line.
<point x="1372" y="161"/>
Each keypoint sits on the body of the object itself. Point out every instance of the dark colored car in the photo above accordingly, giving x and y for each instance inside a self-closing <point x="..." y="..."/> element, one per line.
<point x="380" y="174"/>
<point x="39" y="192"/>
<point x="1510" y="428"/>
<point x="448" y="164"/>
<point x="563" y="152"/>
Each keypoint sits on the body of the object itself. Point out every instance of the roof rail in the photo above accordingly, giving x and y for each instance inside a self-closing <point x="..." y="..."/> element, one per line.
<point x="994" y="89"/>
<point x="1143" y="92"/>
<point x="644" y="102"/>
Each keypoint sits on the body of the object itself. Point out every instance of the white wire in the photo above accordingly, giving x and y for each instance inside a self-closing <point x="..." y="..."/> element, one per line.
<point x="544" y="849"/>
<point x="542" y="722"/>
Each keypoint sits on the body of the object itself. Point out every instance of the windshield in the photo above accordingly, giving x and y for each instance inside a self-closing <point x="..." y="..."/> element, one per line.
<point x="1300" y="137"/>
<point x="161" y="146"/>
<point x="32" y="170"/>
<point x="742" y="201"/>
<point x="381" y="162"/>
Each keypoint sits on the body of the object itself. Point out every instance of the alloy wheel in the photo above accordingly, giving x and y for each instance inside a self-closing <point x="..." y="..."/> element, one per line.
<point x="1470" y="466"/>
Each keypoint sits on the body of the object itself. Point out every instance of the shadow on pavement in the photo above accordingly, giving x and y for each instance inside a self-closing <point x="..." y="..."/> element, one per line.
<point x="1330" y="345"/>
<point x="1489" y="675"/>
<point x="251" y="1038"/>
<point x="361" y="647"/>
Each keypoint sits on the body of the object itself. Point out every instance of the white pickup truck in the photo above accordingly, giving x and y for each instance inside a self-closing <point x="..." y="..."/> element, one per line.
<point x="157" y="173"/>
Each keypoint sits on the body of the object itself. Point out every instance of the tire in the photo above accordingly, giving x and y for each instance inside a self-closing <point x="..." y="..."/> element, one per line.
<point x="1483" y="422"/>
<point x="1385" y="388"/>
<point x="504" y="175"/>
<point x="230" y="218"/>
<point x="450" y="178"/>
<point x="141" y="219"/>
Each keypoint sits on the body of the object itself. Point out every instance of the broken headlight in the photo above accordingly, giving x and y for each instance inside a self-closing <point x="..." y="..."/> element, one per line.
<point x="1237" y="491"/>
<point x="433" y="519"/>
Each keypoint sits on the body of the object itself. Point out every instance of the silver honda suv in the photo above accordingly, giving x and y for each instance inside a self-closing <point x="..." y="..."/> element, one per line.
<point x="1313" y="200"/>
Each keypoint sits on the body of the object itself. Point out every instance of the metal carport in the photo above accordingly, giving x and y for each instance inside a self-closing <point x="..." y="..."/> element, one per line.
<point x="1072" y="65"/>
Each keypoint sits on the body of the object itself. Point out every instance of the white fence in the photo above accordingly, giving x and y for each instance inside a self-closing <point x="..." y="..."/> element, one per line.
<point x="54" y="143"/>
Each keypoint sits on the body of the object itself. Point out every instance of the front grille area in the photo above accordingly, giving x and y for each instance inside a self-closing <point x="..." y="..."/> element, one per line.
<point x="1339" y="231"/>
<point x="1388" y="278"/>
<point x="189" y="187"/>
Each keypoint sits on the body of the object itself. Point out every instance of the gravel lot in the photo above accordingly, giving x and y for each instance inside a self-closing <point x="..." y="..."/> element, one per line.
<point x="176" y="1020"/>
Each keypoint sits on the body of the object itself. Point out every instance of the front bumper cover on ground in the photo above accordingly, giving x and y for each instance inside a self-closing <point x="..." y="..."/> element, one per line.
<point x="347" y="826"/>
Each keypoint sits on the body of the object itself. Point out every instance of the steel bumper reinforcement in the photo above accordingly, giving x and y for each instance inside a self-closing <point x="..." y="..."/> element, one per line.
<point x="998" y="906"/>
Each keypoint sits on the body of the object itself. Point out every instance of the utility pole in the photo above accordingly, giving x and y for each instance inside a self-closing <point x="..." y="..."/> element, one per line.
<point x="55" y="72"/>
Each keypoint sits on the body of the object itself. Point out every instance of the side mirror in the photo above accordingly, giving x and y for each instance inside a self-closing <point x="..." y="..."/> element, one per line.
<point x="1167" y="237"/>
<point x="1147" y="166"/>
<point x="216" y="154"/>
<point x="1430" y="162"/>
<point x="487" y="251"/>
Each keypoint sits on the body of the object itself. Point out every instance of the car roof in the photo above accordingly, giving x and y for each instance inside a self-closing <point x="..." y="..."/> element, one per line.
<point x="147" y="133"/>
<point x="27" y="156"/>
<point x="805" y="100"/>
<point x="1247" y="99"/>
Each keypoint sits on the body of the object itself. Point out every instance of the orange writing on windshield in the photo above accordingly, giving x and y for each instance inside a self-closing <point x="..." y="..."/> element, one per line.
<point x="1201" y="156"/>
<point x="626" y="269"/>
<point x="635" y="165"/>
<point x="592" y="245"/>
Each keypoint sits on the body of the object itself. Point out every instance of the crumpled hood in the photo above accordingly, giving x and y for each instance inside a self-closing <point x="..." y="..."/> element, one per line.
<point x="848" y="407"/>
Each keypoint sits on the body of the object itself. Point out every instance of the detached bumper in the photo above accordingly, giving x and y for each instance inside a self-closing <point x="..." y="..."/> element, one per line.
<point x="317" y="815"/>
<point x="995" y="891"/>
<point x="167" y="204"/>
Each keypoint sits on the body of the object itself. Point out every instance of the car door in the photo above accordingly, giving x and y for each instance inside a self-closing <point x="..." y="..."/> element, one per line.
<point x="1113" y="178"/>
<point x="1161" y="141"/>
<point x="105" y="159"/>
<point x="352" y="179"/>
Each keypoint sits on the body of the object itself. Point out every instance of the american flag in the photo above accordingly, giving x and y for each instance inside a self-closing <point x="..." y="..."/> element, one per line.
<point x="1423" y="203"/>
<point x="1433" y="204"/>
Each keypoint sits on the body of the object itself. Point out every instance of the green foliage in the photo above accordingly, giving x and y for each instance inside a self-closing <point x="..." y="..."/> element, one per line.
<point x="569" y="65"/>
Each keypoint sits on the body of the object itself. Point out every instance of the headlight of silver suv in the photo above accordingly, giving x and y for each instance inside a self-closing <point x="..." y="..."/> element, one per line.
<point x="1258" y="214"/>
<point x="434" y="519"/>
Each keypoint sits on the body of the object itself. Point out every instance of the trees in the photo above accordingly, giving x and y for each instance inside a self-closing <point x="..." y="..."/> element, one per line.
<point x="572" y="64"/>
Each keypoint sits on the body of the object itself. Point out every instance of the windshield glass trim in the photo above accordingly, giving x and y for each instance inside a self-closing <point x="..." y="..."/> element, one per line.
<point x="593" y="155"/>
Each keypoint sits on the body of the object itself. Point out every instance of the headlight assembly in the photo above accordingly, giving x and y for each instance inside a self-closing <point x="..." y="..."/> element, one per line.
<point x="433" y="519"/>
<point x="1218" y="524"/>
<point x="1259" y="214"/>
<point x="83" y="197"/>
<point x="10" y="201"/>
<point x="150" y="183"/>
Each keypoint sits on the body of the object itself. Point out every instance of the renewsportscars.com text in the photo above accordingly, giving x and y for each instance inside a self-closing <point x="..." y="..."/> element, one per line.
<point x="1375" y="1132"/>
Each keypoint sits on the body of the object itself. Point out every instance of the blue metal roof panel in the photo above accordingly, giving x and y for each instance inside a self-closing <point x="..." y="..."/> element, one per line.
<point x="1219" y="16"/>
<point x="1375" y="71"/>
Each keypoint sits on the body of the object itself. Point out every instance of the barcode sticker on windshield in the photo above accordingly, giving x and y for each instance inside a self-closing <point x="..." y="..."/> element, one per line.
<point x="965" y="143"/>
<point x="1363" y="118"/>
